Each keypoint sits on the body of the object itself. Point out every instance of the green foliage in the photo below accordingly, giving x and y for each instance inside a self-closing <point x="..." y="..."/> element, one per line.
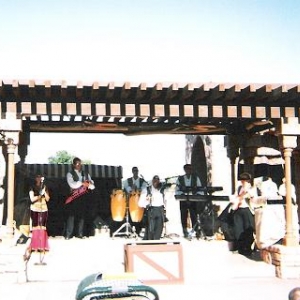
<point x="63" y="157"/>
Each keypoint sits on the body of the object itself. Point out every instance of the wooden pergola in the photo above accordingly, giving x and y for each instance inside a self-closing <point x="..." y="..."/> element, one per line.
<point x="234" y="110"/>
<point x="191" y="109"/>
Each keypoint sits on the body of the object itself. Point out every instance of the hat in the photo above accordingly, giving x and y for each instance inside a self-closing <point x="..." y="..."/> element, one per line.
<point x="245" y="176"/>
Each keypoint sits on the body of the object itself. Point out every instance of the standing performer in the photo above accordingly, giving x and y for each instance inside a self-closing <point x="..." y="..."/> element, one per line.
<point x="152" y="199"/>
<point x="134" y="183"/>
<point x="80" y="183"/>
<point x="188" y="184"/>
<point x="39" y="196"/>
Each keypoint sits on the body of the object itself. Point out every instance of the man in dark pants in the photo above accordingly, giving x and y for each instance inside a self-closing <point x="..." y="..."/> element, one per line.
<point x="79" y="182"/>
<point x="188" y="184"/>
<point x="133" y="186"/>
<point x="152" y="199"/>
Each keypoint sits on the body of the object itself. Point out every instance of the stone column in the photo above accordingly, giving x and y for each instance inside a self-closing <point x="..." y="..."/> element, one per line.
<point x="291" y="237"/>
<point x="11" y="147"/>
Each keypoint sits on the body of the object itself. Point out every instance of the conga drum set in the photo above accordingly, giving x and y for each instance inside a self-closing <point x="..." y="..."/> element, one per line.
<point x="123" y="205"/>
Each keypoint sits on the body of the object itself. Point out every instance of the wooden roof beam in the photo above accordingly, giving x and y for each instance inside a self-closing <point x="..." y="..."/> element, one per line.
<point x="95" y="90"/>
<point x="279" y="92"/>
<point x="172" y="91"/>
<point x="231" y="93"/>
<point x="16" y="89"/>
<point x="293" y="94"/>
<point x="217" y="92"/>
<point x="187" y="91"/>
<point x="202" y="92"/>
<point x="156" y="91"/>
<point x="264" y="92"/>
<point x="126" y="90"/>
<point x="79" y="90"/>
<point x="31" y="85"/>
<point x="141" y="91"/>
<point x="47" y="89"/>
<point x="247" y="93"/>
<point x="110" y="90"/>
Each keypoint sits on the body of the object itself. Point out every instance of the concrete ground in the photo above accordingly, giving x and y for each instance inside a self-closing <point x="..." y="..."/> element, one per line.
<point x="211" y="271"/>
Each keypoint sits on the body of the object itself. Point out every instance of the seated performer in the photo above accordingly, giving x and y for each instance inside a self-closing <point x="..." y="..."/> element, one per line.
<point x="243" y="202"/>
<point x="78" y="181"/>
<point x="152" y="199"/>
<point x="188" y="184"/>
<point x="39" y="196"/>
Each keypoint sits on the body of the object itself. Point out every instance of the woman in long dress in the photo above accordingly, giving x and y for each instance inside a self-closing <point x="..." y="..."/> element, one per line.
<point x="39" y="196"/>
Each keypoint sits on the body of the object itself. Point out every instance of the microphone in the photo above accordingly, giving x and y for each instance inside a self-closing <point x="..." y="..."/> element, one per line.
<point x="42" y="186"/>
<point x="148" y="184"/>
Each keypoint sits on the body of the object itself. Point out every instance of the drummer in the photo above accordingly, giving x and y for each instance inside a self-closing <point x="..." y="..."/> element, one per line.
<point x="134" y="183"/>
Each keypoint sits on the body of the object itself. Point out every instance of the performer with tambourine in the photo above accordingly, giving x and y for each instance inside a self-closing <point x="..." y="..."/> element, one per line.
<point x="80" y="183"/>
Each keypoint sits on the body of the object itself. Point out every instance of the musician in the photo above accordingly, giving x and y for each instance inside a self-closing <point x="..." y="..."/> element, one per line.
<point x="269" y="219"/>
<point x="269" y="188"/>
<point x="188" y="184"/>
<point x="39" y="197"/>
<point x="77" y="178"/>
<point x="243" y="203"/>
<point x="134" y="183"/>
<point x="152" y="199"/>
<point x="282" y="191"/>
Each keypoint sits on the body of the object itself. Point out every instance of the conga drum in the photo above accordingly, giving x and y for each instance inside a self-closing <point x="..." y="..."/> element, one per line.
<point x="118" y="205"/>
<point x="136" y="212"/>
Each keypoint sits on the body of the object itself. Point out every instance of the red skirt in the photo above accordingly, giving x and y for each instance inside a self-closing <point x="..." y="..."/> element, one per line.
<point x="39" y="240"/>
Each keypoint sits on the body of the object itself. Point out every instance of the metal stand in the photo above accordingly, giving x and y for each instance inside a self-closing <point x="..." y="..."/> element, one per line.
<point x="197" y="228"/>
<point x="168" y="235"/>
<point x="129" y="230"/>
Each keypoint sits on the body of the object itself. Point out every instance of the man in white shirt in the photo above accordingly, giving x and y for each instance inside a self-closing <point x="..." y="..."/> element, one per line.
<point x="282" y="191"/>
<point x="152" y="199"/>
<point x="269" y="189"/>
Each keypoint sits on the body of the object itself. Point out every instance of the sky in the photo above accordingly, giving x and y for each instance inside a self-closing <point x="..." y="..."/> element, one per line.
<point x="147" y="41"/>
<point x="151" y="41"/>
